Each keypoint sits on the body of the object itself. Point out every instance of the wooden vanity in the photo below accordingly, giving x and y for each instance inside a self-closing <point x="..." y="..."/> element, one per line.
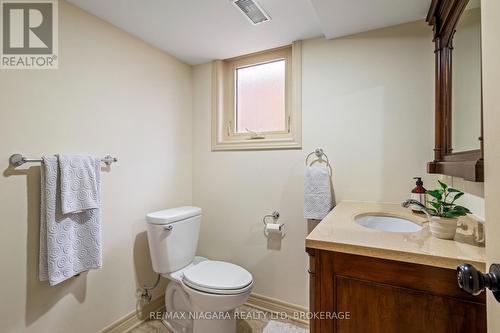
<point x="365" y="280"/>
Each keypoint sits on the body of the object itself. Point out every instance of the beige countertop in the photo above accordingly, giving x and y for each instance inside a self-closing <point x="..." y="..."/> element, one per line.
<point x="339" y="232"/>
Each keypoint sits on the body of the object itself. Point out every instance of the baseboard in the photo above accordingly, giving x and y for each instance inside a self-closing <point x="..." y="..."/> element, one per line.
<point x="135" y="318"/>
<point x="273" y="305"/>
<point x="264" y="303"/>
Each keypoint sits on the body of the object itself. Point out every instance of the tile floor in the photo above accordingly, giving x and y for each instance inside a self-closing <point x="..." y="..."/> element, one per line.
<point x="254" y="325"/>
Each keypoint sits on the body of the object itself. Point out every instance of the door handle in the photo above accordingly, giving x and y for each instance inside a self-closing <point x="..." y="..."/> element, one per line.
<point x="474" y="282"/>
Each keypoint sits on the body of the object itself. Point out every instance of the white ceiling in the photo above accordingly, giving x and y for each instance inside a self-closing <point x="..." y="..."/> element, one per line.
<point x="347" y="17"/>
<point x="197" y="31"/>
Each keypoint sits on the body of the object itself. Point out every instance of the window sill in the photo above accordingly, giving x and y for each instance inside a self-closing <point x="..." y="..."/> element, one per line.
<point x="257" y="144"/>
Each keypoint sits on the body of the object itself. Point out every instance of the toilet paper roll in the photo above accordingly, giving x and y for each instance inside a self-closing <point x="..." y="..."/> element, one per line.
<point x="274" y="228"/>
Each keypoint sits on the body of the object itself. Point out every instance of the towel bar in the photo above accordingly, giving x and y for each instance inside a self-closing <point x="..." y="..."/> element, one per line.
<point x="18" y="160"/>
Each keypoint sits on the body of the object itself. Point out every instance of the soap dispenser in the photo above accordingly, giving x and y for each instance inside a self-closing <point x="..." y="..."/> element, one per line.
<point x="419" y="194"/>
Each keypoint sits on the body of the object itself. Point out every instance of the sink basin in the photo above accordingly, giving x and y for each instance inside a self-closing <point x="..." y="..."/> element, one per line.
<point x="387" y="223"/>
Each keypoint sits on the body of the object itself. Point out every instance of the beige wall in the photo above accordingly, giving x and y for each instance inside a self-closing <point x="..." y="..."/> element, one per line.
<point x="474" y="195"/>
<point x="111" y="94"/>
<point x="490" y="11"/>
<point x="368" y="101"/>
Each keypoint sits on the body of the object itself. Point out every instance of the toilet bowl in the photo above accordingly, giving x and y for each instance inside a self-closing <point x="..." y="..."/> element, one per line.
<point x="202" y="294"/>
<point x="207" y="303"/>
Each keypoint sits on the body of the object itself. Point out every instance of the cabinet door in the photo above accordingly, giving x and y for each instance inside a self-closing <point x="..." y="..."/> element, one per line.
<point x="379" y="308"/>
<point x="389" y="296"/>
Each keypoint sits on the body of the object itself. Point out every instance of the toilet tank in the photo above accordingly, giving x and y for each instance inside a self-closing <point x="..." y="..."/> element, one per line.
<point x="173" y="237"/>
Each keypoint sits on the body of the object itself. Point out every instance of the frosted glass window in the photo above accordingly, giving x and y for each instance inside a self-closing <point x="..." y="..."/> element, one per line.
<point x="260" y="97"/>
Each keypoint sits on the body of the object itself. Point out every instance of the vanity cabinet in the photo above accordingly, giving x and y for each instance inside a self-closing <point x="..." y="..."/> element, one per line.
<point x="389" y="296"/>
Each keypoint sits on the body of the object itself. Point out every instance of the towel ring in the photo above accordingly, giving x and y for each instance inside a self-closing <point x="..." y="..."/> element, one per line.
<point x="319" y="154"/>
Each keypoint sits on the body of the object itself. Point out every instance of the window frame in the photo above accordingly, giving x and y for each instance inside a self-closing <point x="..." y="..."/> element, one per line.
<point x="224" y="135"/>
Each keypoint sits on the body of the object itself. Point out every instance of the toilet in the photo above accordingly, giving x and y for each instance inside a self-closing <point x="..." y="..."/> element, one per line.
<point x="202" y="294"/>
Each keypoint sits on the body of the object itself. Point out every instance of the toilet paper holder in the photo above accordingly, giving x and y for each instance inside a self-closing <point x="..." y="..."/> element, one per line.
<point x="275" y="216"/>
<point x="273" y="227"/>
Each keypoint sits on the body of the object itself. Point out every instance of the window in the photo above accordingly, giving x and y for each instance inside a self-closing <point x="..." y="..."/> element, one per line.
<point x="260" y="97"/>
<point x="257" y="101"/>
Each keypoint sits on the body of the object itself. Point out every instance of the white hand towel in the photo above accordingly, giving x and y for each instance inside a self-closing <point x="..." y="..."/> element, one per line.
<point x="79" y="188"/>
<point x="69" y="243"/>
<point x="318" y="199"/>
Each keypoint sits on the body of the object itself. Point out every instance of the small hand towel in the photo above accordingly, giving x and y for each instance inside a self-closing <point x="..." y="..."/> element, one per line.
<point x="318" y="199"/>
<point x="69" y="243"/>
<point x="79" y="188"/>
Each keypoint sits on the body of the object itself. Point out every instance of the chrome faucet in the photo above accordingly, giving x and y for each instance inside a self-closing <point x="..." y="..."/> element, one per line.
<point x="419" y="206"/>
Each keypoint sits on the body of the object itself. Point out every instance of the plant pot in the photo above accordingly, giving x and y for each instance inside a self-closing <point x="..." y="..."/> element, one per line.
<point x="443" y="227"/>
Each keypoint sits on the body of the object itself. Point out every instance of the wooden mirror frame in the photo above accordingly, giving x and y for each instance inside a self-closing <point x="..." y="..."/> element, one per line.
<point x="443" y="16"/>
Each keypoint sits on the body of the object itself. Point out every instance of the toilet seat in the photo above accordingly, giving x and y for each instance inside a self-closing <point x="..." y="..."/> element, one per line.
<point x="221" y="292"/>
<point x="218" y="277"/>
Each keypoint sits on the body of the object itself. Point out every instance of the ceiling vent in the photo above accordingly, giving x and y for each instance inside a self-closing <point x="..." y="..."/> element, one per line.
<point x="252" y="10"/>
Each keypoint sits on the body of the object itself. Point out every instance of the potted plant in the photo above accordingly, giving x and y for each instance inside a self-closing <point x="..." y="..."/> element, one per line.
<point x="444" y="214"/>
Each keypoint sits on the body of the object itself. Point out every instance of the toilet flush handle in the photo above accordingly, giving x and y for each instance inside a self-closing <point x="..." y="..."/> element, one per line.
<point x="168" y="227"/>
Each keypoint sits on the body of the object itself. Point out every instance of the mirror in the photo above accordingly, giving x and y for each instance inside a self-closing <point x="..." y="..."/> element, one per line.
<point x="466" y="80"/>
<point x="458" y="141"/>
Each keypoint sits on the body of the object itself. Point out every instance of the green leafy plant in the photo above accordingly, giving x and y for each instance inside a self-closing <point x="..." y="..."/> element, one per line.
<point x="443" y="202"/>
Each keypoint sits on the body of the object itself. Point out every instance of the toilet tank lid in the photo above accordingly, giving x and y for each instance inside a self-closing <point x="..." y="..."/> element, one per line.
<point x="171" y="215"/>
